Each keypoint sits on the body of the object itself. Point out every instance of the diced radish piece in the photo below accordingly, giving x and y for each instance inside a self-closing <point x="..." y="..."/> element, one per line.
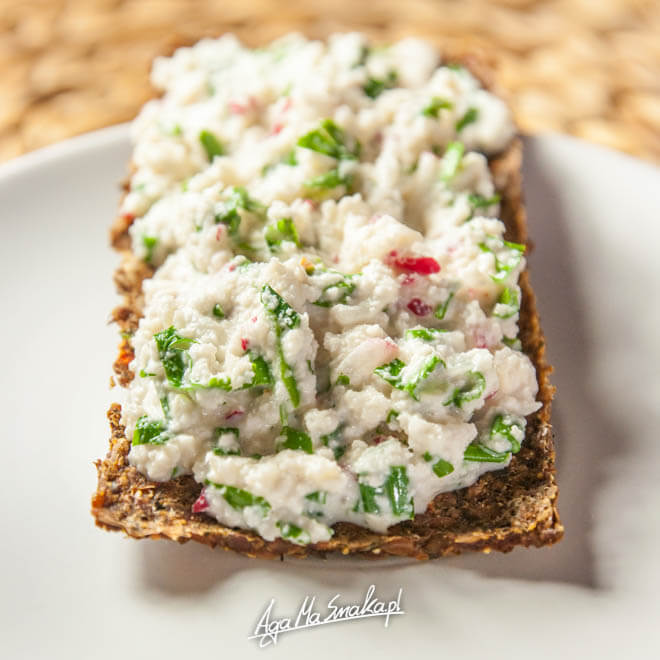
<point x="419" y="308"/>
<point x="244" y="343"/>
<point x="419" y="265"/>
<point x="201" y="503"/>
<point x="234" y="413"/>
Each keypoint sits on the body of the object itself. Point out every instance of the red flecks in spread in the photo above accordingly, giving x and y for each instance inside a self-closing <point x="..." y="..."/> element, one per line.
<point x="218" y="234"/>
<point x="244" y="343"/>
<point x="201" y="503"/>
<point x="253" y="319"/>
<point x="472" y="293"/>
<point x="491" y="395"/>
<point x="419" y="265"/>
<point x="378" y="439"/>
<point x="335" y="259"/>
<point x="419" y="308"/>
<point x="277" y="128"/>
<point x="480" y="340"/>
<point x="234" y="413"/>
<point x="287" y="104"/>
<point x="408" y="280"/>
<point x="232" y="268"/>
<point x="311" y="203"/>
<point x="374" y="217"/>
<point x="129" y="216"/>
<point x="237" y="108"/>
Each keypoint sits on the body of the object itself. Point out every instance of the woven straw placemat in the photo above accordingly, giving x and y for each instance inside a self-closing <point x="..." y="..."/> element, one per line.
<point x="586" y="67"/>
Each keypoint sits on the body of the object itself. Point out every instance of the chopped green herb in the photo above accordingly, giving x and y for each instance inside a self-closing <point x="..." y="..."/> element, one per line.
<point x="145" y="374"/>
<point x="213" y="384"/>
<point x="172" y="349"/>
<point x="437" y="103"/>
<point x="336" y="293"/>
<point x="374" y="87"/>
<point x="150" y="432"/>
<point x="296" y="439"/>
<point x="284" y="318"/>
<point x="511" y="259"/>
<point x="503" y="426"/>
<point x="472" y="389"/>
<point x="512" y="342"/>
<point x="317" y="496"/>
<point x="396" y="489"/>
<point x="391" y="416"/>
<point x="426" y="371"/>
<point x="441" y="468"/>
<point x="441" y="309"/>
<point x="281" y="230"/>
<point x="330" y="139"/>
<point x="451" y="161"/>
<point x="221" y="430"/>
<point x="508" y="304"/>
<point x="481" y="454"/>
<point x="469" y="117"/>
<point x="310" y="367"/>
<point x="261" y="370"/>
<point x="367" y="501"/>
<point x="329" y="180"/>
<point x="480" y="202"/>
<point x="238" y="498"/>
<point x="165" y="406"/>
<point x="343" y="379"/>
<point x="391" y="371"/>
<point x="149" y="243"/>
<point x="334" y="441"/>
<point x="294" y="533"/>
<point x="211" y="144"/>
<point x="220" y="451"/>
<point x="427" y="334"/>
<point x="229" y="215"/>
<point x="218" y="311"/>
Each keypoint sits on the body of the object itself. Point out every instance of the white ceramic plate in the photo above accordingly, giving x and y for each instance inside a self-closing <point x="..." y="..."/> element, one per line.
<point x="70" y="590"/>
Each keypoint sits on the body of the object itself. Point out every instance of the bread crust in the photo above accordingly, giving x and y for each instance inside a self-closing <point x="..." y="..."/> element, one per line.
<point x="503" y="509"/>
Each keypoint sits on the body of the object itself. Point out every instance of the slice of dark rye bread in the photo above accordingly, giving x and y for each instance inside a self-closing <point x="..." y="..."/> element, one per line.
<point x="513" y="506"/>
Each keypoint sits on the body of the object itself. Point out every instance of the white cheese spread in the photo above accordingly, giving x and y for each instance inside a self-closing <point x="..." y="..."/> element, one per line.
<point x="330" y="332"/>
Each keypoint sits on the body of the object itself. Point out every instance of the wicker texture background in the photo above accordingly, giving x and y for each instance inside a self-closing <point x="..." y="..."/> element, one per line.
<point x="586" y="67"/>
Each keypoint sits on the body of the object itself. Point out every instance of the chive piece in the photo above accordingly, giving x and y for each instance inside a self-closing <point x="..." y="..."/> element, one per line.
<point x="238" y="499"/>
<point x="508" y="304"/>
<point x="451" y="161"/>
<point x="293" y="533"/>
<point x="478" y="453"/>
<point x="281" y="230"/>
<point x="367" y="501"/>
<point x="329" y="180"/>
<point x="441" y="468"/>
<point x="396" y="488"/>
<point x="261" y="370"/>
<point x="392" y="415"/>
<point x="426" y="371"/>
<point x="469" y="117"/>
<point x="512" y="342"/>
<point x="503" y="267"/>
<point x="480" y="202"/>
<point x="211" y="144"/>
<point x="436" y="104"/>
<point x="317" y="496"/>
<point x="441" y="309"/>
<point x="165" y="406"/>
<point x="336" y="293"/>
<point x="374" y="87"/>
<point x="221" y="430"/>
<point x="149" y="243"/>
<point x="503" y="425"/>
<point x="145" y="374"/>
<point x="390" y="372"/>
<point x="296" y="439"/>
<point x="334" y="441"/>
<point x="150" y="432"/>
<point x="172" y="352"/>
<point x="330" y="139"/>
<point x="474" y="387"/>
<point x="343" y="379"/>
<point x="223" y="451"/>
<point x="427" y="334"/>
<point x="218" y="311"/>
<point x="285" y="318"/>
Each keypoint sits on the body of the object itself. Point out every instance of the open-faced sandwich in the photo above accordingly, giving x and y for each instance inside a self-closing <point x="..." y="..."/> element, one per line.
<point x="329" y="338"/>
